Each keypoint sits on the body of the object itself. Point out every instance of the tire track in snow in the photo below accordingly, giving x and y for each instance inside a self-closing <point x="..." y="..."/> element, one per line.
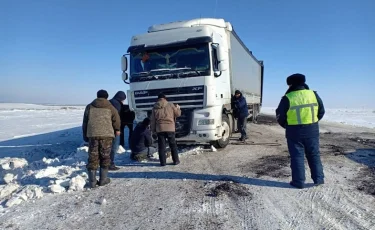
<point x="338" y="205"/>
<point x="336" y="208"/>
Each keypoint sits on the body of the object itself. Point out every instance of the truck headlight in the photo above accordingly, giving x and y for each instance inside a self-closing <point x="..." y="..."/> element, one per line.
<point x="140" y="115"/>
<point x="206" y="122"/>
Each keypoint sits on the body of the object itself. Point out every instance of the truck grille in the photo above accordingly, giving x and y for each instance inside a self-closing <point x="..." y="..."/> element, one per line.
<point x="186" y="97"/>
<point x="189" y="98"/>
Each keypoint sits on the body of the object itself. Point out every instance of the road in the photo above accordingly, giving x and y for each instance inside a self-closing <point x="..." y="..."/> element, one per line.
<point x="240" y="187"/>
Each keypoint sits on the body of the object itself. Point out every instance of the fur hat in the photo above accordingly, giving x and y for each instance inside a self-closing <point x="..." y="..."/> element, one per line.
<point x="296" y="79"/>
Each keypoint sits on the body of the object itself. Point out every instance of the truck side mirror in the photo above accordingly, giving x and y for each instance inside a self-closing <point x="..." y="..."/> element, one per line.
<point x="124" y="76"/>
<point x="220" y="53"/>
<point x="124" y="63"/>
<point x="220" y="58"/>
<point x="222" y="66"/>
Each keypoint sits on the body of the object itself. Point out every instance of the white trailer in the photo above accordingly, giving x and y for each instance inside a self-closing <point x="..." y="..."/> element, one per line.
<point x="246" y="74"/>
<point x="197" y="64"/>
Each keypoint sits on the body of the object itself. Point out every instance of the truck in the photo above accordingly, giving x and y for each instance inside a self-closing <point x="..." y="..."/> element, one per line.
<point x="198" y="64"/>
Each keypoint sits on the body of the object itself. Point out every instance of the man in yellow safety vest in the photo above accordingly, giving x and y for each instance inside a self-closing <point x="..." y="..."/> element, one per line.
<point x="299" y="112"/>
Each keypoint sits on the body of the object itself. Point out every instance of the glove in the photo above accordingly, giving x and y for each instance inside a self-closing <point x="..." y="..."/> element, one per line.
<point x="154" y="136"/>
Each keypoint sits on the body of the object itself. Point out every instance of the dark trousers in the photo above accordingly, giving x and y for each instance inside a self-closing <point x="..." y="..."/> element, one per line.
<point x="122" y="136"/>
<point x="241" y="126"/>
<point x="298" y="149"/>
<point x="172" y="144"/>
<point x="99" y="153"/>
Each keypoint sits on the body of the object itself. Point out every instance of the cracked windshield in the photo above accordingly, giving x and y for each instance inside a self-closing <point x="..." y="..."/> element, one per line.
<point x="173" y="62"/>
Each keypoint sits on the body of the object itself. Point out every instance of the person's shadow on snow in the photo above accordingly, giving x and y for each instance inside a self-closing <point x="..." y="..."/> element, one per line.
<point x="204" y="177"/>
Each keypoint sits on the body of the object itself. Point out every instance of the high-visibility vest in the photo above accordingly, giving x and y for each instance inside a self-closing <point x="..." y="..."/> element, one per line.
<point x="303" y="109"/>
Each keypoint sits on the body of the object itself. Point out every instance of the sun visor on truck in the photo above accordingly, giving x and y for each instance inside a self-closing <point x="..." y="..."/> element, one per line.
<point x="190" y="41"/>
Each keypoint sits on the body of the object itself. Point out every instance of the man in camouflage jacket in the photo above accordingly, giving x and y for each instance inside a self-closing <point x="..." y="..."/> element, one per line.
<point x="101" y="122"/>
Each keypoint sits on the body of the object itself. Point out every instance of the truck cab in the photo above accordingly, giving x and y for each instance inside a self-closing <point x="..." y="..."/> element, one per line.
<point x="190" y="62"/>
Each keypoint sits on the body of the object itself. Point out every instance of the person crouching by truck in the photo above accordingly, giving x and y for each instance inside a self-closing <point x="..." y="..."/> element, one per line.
<point x="299" y="112"/>
<point x="101" y="123"/>
<point x="242" y="113"/>
<point x="163" y="122"/>
<point x="141" y="142"/>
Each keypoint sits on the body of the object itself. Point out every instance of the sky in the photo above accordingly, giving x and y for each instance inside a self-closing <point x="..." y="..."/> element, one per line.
<point x="64" y="51"/>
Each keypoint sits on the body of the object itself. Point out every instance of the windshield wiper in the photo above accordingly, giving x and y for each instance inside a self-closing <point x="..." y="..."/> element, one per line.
<point x="149" y="77"/>
<point x="166" y="74"/>
<point x="185" y="71"/>
<point x="142" y="76"/>
<point x="157" y="70"/>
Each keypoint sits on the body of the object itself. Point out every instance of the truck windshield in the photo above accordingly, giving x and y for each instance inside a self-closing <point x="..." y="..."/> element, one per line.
<point x="172" y="62"/>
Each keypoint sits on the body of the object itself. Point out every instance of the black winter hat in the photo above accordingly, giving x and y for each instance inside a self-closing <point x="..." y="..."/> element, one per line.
<point x="120" y="95"/>
<point x="237" y="92"/>
<point x="146" y="121"/>
<point x="161" y="95"/>
<point x="296" y="79"/>
<point x="102" y="94"/>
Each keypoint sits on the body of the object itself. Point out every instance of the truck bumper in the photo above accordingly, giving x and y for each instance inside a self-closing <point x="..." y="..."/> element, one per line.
<point x="201" y="136"/>
<point x="204" y="133"/>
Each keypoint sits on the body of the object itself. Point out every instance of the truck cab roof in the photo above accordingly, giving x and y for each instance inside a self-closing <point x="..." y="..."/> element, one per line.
<point x="217" y="22"/>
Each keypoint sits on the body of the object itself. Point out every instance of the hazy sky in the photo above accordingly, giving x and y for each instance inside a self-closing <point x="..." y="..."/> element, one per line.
<point x="64" y="51"/>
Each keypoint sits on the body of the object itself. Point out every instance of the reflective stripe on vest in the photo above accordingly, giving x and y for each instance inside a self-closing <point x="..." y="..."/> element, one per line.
<point x="303" y="109"/>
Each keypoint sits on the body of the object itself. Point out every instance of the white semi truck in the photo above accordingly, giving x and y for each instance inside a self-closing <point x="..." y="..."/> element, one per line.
<point x="197" y="64"/>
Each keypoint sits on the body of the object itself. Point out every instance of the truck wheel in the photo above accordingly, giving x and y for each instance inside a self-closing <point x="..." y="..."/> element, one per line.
<point x="224" y="141"/>
<point x="231" y="124"/>
<point x="255" y="115"/>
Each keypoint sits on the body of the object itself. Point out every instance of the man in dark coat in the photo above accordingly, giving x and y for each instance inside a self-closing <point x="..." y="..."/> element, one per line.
<point x="141" y="141"/>
<point x="241" y="112"/>
<point x="299" y="112"/>
<point x="127" y="120"/>
<point x="117" y="102"/>
<point x="101" y="123"/>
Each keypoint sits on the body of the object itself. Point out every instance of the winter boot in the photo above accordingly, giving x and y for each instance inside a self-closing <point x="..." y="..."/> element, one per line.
<point x="113" y="167"/>
<point x="104" y="177"/>
<point x="296" y="185"/>
<point x="92" y="178"/>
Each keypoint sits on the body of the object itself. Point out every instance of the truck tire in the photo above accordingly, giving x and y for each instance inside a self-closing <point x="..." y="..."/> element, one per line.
<point x="255" y="115"/>
<point x="231" y="124"/>
<point x="224" y="141"/>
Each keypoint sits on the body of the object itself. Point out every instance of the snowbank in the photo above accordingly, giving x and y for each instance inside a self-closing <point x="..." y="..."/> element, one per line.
<point x="22" y="180"/>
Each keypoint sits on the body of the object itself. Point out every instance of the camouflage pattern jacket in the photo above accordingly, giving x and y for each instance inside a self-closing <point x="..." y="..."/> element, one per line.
<point x="100" y="120"/>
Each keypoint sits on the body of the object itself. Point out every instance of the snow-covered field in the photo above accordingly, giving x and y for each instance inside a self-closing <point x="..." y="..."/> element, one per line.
<point x="43" y="174"/>
<point x="355" y="117"/>
<point x="42" y="151"/>
<point x="21" y="120"/>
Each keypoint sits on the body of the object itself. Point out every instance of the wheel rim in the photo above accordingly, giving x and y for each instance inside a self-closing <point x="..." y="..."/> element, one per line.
<point x="226" y="131"/>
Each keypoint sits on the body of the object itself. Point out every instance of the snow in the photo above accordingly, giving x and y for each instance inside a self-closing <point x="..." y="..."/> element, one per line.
<point x="43" y="171"/>
<point x="22" y="120"/>
<point x="41" y="146"/>
<point x="354" y="117"/>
